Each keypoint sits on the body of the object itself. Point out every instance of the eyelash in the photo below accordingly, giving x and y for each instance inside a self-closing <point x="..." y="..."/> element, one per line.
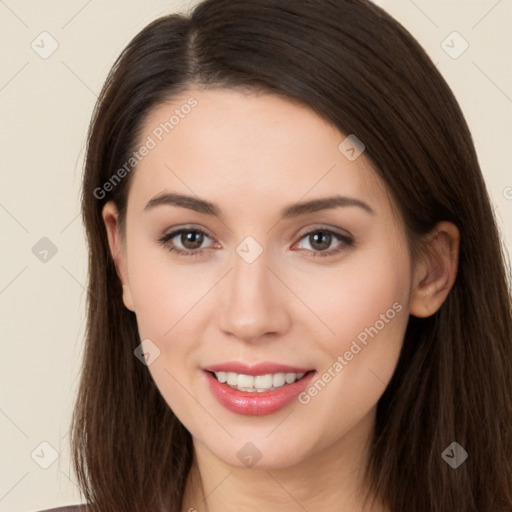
<point x="164" y="240"/>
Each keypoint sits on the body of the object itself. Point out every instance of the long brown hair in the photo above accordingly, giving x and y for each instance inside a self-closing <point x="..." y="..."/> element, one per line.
<point x="359" y="69"/>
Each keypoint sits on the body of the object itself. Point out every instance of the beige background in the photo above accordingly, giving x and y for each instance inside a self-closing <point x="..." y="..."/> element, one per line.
<point x="45" y="106"/>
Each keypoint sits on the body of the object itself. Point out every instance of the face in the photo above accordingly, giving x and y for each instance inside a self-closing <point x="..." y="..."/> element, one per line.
<point x="241" y="281"/>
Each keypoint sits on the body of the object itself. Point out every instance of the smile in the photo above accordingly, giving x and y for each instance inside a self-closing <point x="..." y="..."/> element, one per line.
<point x="256" y="390"/>
<point x="258" y="383"/>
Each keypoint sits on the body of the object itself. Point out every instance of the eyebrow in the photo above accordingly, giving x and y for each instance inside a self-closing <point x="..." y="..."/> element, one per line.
<point x="291" y="211"/>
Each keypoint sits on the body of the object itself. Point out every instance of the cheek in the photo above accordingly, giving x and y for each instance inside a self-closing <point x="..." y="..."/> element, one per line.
<point x="167" y="300"/>
<point x="167" y="295"/>
<point x="364" y="299"/>
<point x="366" y="308"/>
<point x="368" y="312"/>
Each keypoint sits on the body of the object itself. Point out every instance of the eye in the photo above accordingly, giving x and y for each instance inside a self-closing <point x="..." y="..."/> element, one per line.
<point x="192" y="239"/>
<point x="321" y="242"/>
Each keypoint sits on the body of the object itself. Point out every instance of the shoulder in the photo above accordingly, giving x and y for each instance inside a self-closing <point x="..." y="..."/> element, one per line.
<point x="67" y="508"/>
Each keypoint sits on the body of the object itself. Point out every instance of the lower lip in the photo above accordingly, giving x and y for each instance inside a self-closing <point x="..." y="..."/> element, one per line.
<point x="256" y="403"/>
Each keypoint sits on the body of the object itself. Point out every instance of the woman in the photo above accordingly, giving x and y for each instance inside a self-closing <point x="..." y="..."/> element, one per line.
<point x="298" y="297"/>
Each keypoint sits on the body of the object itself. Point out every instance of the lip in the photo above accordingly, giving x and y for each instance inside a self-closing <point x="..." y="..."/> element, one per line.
<point x="257" y="369"/>
<point x="256" y="403"/>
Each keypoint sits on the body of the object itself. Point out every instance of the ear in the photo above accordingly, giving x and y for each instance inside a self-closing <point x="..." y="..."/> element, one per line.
<point x="110" y="216"/>
<point x="435" y="274"/>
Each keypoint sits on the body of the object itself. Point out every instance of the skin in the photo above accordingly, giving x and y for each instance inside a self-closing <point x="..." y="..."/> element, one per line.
<point x="252" y="155"/>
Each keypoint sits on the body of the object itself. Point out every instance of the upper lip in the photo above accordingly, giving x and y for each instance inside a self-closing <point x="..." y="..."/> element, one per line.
<point x="255" y="369"/>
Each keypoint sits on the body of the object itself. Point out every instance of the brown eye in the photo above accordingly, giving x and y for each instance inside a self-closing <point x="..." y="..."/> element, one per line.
<point x="185" y="241"/>
<point x="191" y="239"/>
<point x="321" y="242"/>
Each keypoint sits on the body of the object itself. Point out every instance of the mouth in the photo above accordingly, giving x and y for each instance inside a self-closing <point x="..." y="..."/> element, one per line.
<point x="258" y="383"/>
<point x="259" y="390"/>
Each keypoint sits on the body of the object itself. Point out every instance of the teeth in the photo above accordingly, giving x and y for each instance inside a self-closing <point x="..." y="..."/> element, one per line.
<point x="245" y="381"/>
<point x="222" y="376"/>
<point x="289" y="378"/>
<point x="258" y="383"/>
<point x="232" y="379"/>
<point x="278" y="380"/>
<point x="263" y="381"/>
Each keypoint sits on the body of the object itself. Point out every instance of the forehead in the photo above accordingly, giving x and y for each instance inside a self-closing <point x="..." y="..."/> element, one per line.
<point x="247" y="146"/>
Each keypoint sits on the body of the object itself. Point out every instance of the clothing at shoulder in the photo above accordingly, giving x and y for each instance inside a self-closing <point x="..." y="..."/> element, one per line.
<point x="67" y="508"/>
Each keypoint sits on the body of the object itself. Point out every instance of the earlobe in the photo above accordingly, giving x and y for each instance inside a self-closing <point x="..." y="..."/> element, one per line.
<point x="127" y="298"/>
<point x="435" y="274"/>
<point x="110" y="216"/>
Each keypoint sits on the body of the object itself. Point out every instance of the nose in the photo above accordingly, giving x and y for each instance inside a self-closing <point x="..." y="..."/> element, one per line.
<point x="254" y="303"/>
